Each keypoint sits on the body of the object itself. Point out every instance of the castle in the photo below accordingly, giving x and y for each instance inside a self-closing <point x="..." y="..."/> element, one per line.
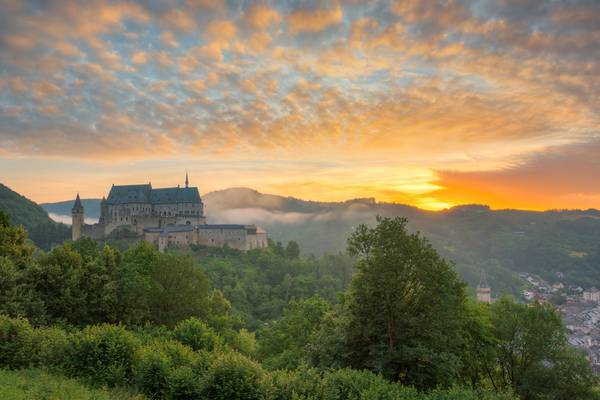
<point x="165" y="217"/>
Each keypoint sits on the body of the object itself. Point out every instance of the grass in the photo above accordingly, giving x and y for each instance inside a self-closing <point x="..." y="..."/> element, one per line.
<point x="35" y="384"/>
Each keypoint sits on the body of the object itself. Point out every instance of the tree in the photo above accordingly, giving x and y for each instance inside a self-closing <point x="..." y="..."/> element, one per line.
<point x="292" y="250"/>
<point x="282" y="344"/>
<point x="405" y="307"/>
<point x="533" y="357"/>
<point x="178" y="290"/>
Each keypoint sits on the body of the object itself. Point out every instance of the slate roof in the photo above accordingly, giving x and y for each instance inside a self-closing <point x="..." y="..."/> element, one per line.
<point x="77" y="206"/>
<point x="169" y="229"/>
<point x="124" y="194"/>
<point x="175" y="195"/>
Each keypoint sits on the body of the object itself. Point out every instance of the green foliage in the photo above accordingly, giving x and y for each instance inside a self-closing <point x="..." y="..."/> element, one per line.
<point x="405" y="307"/>
<point x="292" y="250"/>
<point x="17" y="344"/>
<point x="348" y="384"/>
<point x="160" y="288"/>
<point x="158" y="369"/>
<point x="163" y="368"/>
<point x="198" y="335"/>
<point x="260" y="283"/>
<point x="22" y="211"/>
<point x="103" y="354"/>
<point x="234" y="377"/>
<point x="302" y="383"/>
<point x="52" y="348"/>
<point x="282" y="344"/>
<point x="33" y="384"/>
<point x="532" y="352"/>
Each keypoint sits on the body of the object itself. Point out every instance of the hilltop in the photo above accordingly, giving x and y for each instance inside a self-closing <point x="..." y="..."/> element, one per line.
<point x="504" y="242"/>
<point x="43" y="230"/>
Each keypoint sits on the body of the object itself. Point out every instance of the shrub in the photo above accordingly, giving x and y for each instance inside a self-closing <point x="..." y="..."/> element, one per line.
<point x="197" y="335"/>
<point x="348" y="384"/>
<point x="184" y="384"/>
<point x="17" y="344"/>
<point x="150" y="370"/>
<point x="234" y="377"/>
<point x="302" y="383"/>
<point x="103" y="354"/>
<point x="155" y="365"/>
<point x="244" y="342"/>
<point x="52" y="344"/>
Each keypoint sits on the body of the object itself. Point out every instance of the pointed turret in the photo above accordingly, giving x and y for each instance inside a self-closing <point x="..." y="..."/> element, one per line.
<point x="77" y="216"/>
<point x="483" y="283"/>
<point x="187" y="182"/>
<point x="77" y="205"/>
<point x="484" y="292"/>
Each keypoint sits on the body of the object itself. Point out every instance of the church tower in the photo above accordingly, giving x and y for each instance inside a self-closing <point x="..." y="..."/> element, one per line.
<point x="77" y="218"/>
<point x="484" y="292"/>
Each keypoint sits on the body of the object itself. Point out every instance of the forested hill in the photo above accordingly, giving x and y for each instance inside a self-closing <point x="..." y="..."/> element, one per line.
<point x="42" y="229"/>
<point x="504" y="242"/>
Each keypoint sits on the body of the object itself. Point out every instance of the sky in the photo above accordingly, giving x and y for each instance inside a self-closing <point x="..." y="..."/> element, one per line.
<point x="430" y="103"/>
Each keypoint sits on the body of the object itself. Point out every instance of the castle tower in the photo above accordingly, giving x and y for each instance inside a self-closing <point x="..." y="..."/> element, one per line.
<point x="77" y="216"/>
<point x="484" y="292"/>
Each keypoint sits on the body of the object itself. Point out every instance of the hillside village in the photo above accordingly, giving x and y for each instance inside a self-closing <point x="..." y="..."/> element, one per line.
<point x="580" y="309"/>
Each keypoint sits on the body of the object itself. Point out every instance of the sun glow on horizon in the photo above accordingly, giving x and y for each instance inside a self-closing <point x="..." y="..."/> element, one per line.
<point x="410" y="102"/>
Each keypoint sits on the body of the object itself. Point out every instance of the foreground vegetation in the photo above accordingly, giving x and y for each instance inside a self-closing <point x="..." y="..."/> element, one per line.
<point x="36" y="384"/>
<point x="270" y="324"/>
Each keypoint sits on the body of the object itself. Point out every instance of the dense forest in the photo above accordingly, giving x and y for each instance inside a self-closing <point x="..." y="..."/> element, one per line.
<point x="503" y="242"/>
<point x="389" y="319"/>
<point x="42" y="230"/>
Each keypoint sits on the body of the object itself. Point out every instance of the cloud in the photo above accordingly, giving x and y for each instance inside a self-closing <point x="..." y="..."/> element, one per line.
<point x="168" y="38"/>
<point x="552" y="178"/>
<point x="455" y="87"/>
<point x="221" y="30"/>
<point x="260" y="16"/>
<point x="314" y="20"/>
<point x="180" y="20"/>
<point x="139" y="57"/>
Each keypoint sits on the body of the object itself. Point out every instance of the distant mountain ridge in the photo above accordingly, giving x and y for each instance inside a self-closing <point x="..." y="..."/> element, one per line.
<point x="503" y="242"/>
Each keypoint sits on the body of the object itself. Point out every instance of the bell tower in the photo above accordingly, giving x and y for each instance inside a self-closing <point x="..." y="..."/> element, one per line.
<point x="77" y="216"/>
<point x="484" y="292"/>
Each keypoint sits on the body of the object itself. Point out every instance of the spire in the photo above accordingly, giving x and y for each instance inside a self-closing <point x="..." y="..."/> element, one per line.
<point x="483" y="283"/>
<point x="77" y="206"/>
<point x="187" y="182"/>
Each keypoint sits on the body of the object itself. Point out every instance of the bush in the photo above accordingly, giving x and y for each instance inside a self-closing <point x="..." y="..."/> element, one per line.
<point x="103" y="354"/>
<point x="302" y="383"/>
<point x="458" y="393"/>
<point x="244" y="341"/>
<point x="234" y="377"/>
<point x="155" y="365"/>
<point x="52" y="344"/>
<point x="17" y="344"/>
<point x="150" y="371"/>
<point x="197" y="335"/>
<point x="348" y="384"/>
<point x="184" y="384"/>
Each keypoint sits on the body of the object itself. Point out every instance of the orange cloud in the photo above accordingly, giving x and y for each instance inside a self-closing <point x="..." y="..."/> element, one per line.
<point x="260" y="16"/>
<point x="558" y="177"/>
<point x="168" y="38"/>
<point x="139" y="57"/>
<point x="314" y="20"/>
<point x="221" y="30"/>
<point x="180" y="20"/>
